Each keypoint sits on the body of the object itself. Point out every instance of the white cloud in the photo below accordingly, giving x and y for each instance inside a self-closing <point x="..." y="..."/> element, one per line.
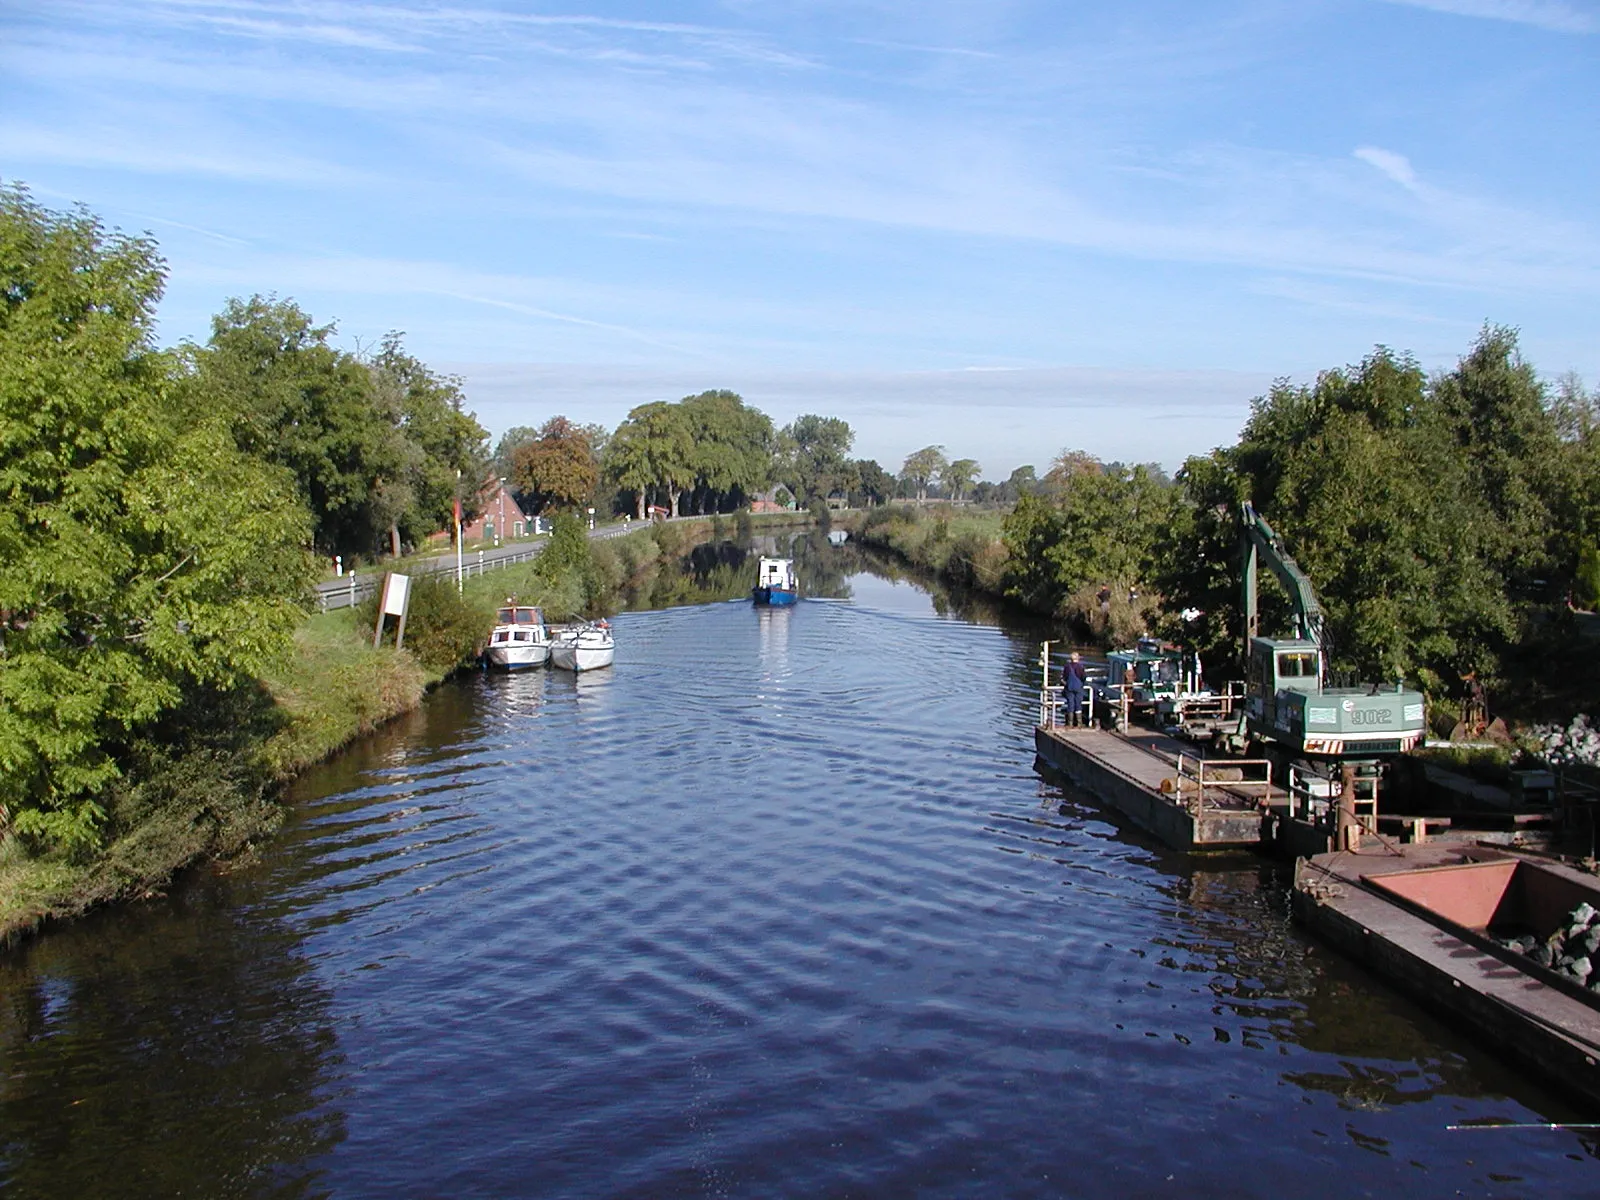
<point x="1396" y="166"/>
<point x="1557" y="16"/>
<point x="110" y="146"/>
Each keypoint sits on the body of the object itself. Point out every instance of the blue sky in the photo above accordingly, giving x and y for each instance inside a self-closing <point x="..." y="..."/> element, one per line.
<point x="1006" y="227"/>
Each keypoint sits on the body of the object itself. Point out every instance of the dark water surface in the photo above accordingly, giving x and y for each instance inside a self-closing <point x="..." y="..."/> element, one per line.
<point x="776" y="907"/>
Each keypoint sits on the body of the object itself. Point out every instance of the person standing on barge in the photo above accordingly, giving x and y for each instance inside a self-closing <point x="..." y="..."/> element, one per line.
<point x="1073" y="678"/>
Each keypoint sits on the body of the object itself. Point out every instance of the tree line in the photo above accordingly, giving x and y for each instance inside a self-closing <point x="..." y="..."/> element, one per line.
<point x="163" y="509"/>
<point x="1441" y="517"/>
<point x="713" y="453"/>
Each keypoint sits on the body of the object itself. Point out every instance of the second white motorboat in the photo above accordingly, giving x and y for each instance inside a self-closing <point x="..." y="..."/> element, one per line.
<point x="583" y="647"/>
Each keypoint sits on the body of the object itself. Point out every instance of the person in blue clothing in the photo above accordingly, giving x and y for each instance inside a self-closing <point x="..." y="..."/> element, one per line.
<point x="1073" y="679"/>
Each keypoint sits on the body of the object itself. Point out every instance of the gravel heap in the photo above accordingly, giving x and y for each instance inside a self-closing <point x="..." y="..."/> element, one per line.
<point x="1572" y="950"/>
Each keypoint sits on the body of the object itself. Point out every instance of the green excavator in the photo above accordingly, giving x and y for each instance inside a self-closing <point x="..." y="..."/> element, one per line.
<point x="1290" y="709"/>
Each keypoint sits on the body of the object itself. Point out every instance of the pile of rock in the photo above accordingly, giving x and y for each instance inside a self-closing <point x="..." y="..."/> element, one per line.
<point x="1572" y="950"/>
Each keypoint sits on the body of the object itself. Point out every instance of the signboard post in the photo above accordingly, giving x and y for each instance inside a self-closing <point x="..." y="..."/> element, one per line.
<point x="393" y="601"/>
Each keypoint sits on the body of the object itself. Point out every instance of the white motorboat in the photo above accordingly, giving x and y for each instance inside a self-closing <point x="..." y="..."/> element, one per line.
<point x="583" y="647"/>
<point x="520" y="639"/>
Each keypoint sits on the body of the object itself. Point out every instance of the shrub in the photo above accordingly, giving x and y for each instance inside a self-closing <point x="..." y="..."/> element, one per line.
<point x="1586" y="584"/>
<point x="443" y="628"/>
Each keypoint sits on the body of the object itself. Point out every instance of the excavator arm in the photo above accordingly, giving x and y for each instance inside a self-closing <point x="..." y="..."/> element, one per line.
<point x="1259" y="540"/>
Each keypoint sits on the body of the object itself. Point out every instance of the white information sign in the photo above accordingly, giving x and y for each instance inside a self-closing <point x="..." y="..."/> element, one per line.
<point x="395" y="590"/>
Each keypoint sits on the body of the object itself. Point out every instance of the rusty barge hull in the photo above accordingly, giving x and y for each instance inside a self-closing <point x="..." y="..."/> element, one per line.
<point x="1389" y="913"/>
<point x="1126" y="773"/>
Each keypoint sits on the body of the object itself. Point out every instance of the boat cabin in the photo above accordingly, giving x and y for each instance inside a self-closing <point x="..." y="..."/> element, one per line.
<point x="519" y="614"/>
<point x="1159" y="670"/>
<point x="776" y="573"/>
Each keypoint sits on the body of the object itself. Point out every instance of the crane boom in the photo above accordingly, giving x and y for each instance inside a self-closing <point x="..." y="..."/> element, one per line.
<point x="1289" y="703"/>
<point x="1258" y="538"/>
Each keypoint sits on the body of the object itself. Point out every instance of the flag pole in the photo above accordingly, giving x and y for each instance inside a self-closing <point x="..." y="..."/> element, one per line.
<point x="460" y="587"/>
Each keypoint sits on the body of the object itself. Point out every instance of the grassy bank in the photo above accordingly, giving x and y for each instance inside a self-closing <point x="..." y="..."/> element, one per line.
<point x="207" y="785"/>
<point x="962" y="545"/>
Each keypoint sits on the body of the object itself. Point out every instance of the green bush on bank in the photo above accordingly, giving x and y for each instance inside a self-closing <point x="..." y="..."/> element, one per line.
<point x="962" y="545"/>
<point x="445" y="628"/>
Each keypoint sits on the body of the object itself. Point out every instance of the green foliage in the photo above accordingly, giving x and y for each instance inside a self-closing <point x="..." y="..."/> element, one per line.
<point x="556" y="468"/>
<point x="1412" y="566"/>
<point x="431" y="438"/>
<point x="872" y="484"/>
<point x="141" y="554"/>
<point x="733" y="446"/>
<point x="811" y="456"/>
<point x="922" y="467"/>
<point x="957" y="477"/>
<point x="1586" y="581"/>
<point x="294" y="400"/>
<point x="444" y="628"/>
<point x="652" y="453"/>
<point x="566" y="568"/>
<point x="375" y="445"/>
<point x="1100" y="528"/>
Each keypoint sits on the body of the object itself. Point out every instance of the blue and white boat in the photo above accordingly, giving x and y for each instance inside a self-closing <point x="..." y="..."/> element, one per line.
<point x="775" y="582"/>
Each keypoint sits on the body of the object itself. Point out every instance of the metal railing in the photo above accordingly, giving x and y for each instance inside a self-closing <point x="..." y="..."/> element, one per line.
<point x="1315" y="798"/>
<point x="1053" y="702"/>
<point x="1199" y="779"/>
<point x="353" y="588"/>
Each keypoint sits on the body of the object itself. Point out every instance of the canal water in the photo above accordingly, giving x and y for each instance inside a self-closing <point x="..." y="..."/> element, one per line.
<point x="777" y="906"/>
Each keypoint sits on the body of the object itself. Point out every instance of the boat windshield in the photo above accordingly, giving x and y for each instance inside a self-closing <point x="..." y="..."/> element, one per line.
<point x="503" y="617"/>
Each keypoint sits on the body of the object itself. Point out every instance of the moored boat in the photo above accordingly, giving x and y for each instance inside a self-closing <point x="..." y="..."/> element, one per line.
<point x="586" y="647"/>
<point x="519" y="639"/>
<point x="775" y="582"/>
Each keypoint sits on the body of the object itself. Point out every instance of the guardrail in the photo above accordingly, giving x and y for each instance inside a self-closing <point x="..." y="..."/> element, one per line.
<point x="1198" y="775"/>
<point x="355" y="587"/>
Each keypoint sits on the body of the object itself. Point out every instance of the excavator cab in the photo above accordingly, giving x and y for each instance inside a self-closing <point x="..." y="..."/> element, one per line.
<point x="1281" y="665"/>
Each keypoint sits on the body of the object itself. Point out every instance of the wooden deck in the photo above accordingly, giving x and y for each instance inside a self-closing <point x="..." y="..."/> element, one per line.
<point x="1128" y="771"/>
<point x="1533" y="1025"/>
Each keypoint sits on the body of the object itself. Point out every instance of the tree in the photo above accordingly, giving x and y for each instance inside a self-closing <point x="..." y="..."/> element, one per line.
<point x="142" y="554"/>
<point x="1411" y="565"/>
<point x="556" y="468"/>
<point x="1020" y="482"/>
<point x="653" y="450"/>
<point x="733" y="445"/>
<point x="957" y="477"/>
<point x="1068" y="465"/>
<point x="506" y="448"/>
<point x="811" y="452"/>
<point x="874" y="485"/>
<point x="435" y="444"/>
<point x="293" y="399"/>
<point x="921" y="468"/>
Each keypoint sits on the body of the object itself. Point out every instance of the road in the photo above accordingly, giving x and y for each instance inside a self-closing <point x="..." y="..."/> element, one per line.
<point x="355" y="587"/>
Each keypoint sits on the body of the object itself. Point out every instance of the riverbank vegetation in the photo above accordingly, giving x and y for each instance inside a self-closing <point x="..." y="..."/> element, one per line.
<point x="164" y="512"/>
<point x="1449" y="523"/>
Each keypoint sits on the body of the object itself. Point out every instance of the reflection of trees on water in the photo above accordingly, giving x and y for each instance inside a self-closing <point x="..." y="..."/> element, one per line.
<point x="181" y="1052"/>
<point x="725" y="570"/>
